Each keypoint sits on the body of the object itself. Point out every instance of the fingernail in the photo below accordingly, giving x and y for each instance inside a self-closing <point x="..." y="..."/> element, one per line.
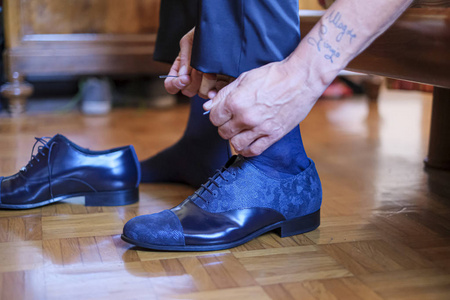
<point x="183" y="70"/>
<point x="207" y="105"/>
<point x="206" y="112"/>
<point x="185" y="79"/>
<point x="212" y="94"/>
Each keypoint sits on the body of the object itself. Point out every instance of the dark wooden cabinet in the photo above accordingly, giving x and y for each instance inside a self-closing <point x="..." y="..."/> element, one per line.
<point x="78" y="37"/>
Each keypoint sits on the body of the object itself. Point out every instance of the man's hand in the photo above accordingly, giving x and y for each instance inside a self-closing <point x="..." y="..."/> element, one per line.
<point x="260" y="107"/>
<point x="190" y="81"/>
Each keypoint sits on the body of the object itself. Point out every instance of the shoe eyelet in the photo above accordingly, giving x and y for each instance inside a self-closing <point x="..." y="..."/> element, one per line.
<point x="215" y="193"/>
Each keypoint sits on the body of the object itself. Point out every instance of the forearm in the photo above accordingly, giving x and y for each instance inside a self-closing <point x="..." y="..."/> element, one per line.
<point x="345" y="30"/>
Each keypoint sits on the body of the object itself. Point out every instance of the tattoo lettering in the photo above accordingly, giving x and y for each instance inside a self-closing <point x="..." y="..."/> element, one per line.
<point x="320" y="44"/>
<point x="326" y="45"/>
<point x="314" y="42"/>
<point x="335" y="19"/>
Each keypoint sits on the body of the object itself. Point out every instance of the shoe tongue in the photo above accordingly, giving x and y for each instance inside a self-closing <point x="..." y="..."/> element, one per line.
<point x="57" y="138"/>
<point x="234" y="159"/>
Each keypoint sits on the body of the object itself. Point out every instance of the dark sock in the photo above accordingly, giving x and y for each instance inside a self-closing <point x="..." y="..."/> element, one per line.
<point x="194" y="158"/>
<point x="284" y="158"/>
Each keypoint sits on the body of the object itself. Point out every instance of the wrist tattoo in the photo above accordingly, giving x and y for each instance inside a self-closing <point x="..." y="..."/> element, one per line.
<point x="324" y="42"/>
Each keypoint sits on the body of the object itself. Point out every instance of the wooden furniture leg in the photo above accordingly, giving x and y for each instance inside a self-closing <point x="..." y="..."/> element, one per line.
<point x="372" y="86"/>
<point x="438" y="161"/>
<point x="17" y="92"/>
<point x="439" y="146"/>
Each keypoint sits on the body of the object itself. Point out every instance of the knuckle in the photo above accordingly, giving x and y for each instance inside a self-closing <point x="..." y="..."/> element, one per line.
<point x="223" y="136"/>
<point x="236" y="145"/>
<point x="233" y="104"/>
<point x="255" y="150"/>
<point x="269" y="127"/>
<point x="224" y="133"/>
<point x="249" y="119"/>
<point x="214" y="119"/>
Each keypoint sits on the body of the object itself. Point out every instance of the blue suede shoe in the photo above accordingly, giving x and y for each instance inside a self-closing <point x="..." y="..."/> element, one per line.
<point x="238" y="204"/>
<point x="62" y="170"/>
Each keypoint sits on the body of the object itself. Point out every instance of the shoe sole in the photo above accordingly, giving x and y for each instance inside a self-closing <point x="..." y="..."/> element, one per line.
<point x="113" y="198"/>
<point x="286" y="228"/>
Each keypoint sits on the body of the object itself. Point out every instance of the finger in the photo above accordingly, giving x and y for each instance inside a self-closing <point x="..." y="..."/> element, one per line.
<point x="244" y="139"/>
<point x="174" y="85"/>
<point x="220" y="113"/>
<point x="258" y="146"/>
<point x="208" y="83"/>
<point x="192" y="89"/>
<point x="185" y="53"/>
<point x="168" y="82"/>
<point x="212" y="93"/>
<point x="230" y="129"/>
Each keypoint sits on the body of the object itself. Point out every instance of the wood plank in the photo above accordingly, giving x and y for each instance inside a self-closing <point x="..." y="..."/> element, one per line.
<point x="292" y="266"/>
<point x="411" y="284"/>
<point x="341" y="288"/>
<point x="19" y="256"/>
<point x="110" y="281"/>
<point x="66" y="225"/>
<point x="226" y="294"/>
<point x="365" y="257"/>
<point x="154" y="255"/>
<point x="278" y="292"/>
<point x="194" y="268"/>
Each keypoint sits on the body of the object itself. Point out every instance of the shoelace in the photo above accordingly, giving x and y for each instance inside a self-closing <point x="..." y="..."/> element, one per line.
<point x="40" y="150"/>
<point x="213" y="180"/>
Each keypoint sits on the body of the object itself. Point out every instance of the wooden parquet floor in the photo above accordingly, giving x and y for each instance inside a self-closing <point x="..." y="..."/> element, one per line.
<point x="385" y="231"/>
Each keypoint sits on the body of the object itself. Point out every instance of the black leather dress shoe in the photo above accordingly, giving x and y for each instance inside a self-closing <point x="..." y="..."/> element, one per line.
<point x="238" y="204"/>
<point x="60" y="170"/>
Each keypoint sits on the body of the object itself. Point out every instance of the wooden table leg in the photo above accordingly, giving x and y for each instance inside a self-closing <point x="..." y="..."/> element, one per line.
<point x="439" y="146"/>
<point x="438" y="160"/>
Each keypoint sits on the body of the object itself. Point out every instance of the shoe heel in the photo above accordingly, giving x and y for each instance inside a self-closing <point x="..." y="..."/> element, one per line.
<point x="300" y="225"/>
<point x="114" y="198"/>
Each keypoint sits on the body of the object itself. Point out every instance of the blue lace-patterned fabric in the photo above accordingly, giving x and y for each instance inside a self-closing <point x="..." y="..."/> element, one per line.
<point x="163" y="228"/>
<point x="243" y="185"/>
